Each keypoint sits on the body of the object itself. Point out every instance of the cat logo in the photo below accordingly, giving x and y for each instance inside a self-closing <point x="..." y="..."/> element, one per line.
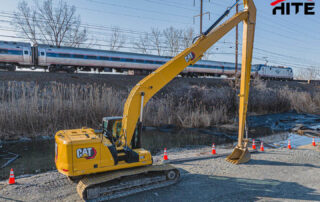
<point x="88" y="153"/>
<point x="190" y="57"/>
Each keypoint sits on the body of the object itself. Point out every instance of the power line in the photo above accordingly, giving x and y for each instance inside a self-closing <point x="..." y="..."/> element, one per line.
<point x="99" y="27"/>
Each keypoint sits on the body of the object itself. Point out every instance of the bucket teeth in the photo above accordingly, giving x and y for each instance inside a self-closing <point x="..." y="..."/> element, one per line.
<point x="232" y="161"/>
<point x="239" y="156"/>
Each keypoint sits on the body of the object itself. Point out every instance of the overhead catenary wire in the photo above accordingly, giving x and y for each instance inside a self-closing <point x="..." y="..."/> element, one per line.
<point x="138" y="33"/>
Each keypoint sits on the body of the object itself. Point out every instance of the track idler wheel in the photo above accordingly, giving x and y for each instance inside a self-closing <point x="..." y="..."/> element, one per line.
<point x="172" y="174"/>
<point x="239" y="155"/>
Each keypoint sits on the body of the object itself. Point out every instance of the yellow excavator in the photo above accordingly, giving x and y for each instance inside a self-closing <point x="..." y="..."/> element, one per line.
<point x="110" y="161"/>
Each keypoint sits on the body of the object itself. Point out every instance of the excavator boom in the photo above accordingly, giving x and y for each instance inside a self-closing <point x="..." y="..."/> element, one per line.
<point x="150" y="85"/>
<point x="110" y="163"/>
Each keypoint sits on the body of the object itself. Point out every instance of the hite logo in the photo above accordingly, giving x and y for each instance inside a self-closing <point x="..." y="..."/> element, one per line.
<point x="88" y="153"/>
<point x="190" y="57"/>
<point x="286" y="8"/>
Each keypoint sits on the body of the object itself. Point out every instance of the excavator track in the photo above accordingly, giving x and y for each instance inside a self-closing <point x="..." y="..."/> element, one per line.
<point x="111" y="185"/>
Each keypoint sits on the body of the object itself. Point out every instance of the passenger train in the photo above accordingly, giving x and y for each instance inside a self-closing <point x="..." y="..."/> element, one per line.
<point x="17" y="55"/>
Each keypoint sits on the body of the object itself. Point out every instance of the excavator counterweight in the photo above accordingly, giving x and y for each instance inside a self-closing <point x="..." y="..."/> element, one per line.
<point x="110" y="162"/>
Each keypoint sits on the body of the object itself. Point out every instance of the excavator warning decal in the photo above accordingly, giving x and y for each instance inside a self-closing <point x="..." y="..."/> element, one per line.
<point x="190" y="57"/>
<point x="88" y="153"/>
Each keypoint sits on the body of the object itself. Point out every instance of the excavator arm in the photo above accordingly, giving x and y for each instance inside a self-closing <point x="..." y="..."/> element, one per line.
<point x="150" y="85"/>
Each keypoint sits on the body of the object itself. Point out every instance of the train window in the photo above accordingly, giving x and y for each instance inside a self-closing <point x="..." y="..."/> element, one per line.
<point x="158" y="62"/>
<point x="78" y="56"/>
<point x="64" y="55"/>
<point x="140" y="61"/>
<point x="115" y="59"/>
<point x="130" y="60"/>
<point x="42" y="53"/>
<point x="91" y="57"/>
<point x="149" y="61"/>
<point x="104" y="58"/>
<point x="3" y="51"/>
<point x="26" y="52"/>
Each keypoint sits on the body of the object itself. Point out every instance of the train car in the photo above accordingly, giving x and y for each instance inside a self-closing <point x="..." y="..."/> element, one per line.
<point x="18" y="54"/>
<point x="71" y="59"/>
<point x="273" y="72"/>
<point x="65" y="58"/>
<point x="15" y="54"/>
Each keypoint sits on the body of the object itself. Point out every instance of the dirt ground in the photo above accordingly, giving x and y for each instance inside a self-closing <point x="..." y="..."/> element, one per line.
<point x="273" y="175"/>
<point x="127" y="82"/>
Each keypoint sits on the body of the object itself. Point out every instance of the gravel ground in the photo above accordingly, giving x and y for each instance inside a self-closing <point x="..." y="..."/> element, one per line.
<point x="274" y="175"/>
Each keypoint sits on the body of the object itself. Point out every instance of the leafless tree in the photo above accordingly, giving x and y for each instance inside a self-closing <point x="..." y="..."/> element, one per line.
<point x="208" y="54"/>
<point x="156" y="40"/>
<point x="51" y="24"/>
<point x="172" y="40"/>
<point x="26" y="21"/>
<point x="117" y="39"/>
<point x="142" y="45"/>
<point x="187" y="38"/>
<point x="308" y="73"/>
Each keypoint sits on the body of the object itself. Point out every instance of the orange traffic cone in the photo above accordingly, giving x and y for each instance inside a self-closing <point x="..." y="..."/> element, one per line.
<point x="289" y="144"/>
<point x="165" y="156"/>
<point x="11" y="178"/>
<point x="313" y="142"/>
<point x="261" y="147"/>
<point x="254" y="145"/>
<point x="213" y="149"/>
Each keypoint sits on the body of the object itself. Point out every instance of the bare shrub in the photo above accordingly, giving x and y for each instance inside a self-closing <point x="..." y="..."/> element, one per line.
<point x="28" y="109"/>
<point x="303" y="102"/>
<point x="191" y="106"/>
<point x="259" y="84"/>
<point x="267" y="101"/>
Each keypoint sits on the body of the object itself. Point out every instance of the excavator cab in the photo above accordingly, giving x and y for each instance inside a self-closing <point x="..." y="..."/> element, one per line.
<point x="117" y="148"/>
<point x="111" y="127"/>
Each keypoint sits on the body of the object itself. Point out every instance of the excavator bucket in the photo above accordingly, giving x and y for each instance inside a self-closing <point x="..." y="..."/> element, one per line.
<point x="239" y="156"/>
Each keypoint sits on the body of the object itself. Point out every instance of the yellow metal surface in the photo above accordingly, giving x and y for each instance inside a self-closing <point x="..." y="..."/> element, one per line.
<point x="247" y="49"/>
<point x="164" y="74"/>
<point x="241" y="153"/>
<point x="82" y="152"/>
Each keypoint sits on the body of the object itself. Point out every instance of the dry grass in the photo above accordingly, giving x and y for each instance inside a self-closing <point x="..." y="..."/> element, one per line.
<point x="28" y="109"/>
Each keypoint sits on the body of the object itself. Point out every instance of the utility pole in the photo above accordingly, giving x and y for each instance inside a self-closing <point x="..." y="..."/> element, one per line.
<point x="237" y="44"/>
<point x="200" y="15"/>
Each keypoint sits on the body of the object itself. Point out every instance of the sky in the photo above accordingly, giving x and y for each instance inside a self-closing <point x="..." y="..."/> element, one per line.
<point x="292" y="41"/>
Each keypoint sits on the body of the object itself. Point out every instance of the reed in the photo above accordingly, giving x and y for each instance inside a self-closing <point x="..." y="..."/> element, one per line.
<point x="29" y="109"/>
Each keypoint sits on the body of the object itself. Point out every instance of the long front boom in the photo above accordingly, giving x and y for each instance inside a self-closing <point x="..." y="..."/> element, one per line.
<point x="150" y="85"/>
